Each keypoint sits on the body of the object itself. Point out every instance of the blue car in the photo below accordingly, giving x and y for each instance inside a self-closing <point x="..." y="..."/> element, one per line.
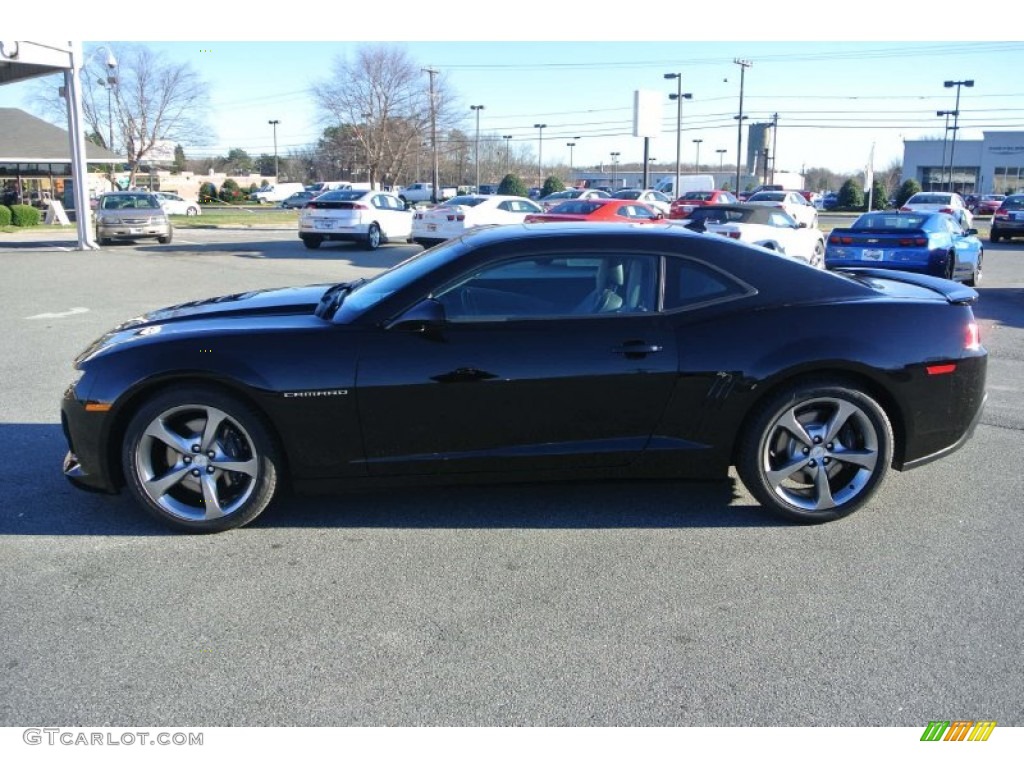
<point x="931" y="243"/>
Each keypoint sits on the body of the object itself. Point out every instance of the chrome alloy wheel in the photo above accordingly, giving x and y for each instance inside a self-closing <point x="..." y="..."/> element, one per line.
<point x="196" y="463"/>
<point x="821" y="454"/>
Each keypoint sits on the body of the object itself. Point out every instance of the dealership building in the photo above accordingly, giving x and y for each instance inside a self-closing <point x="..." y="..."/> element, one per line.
<point x="993" y="164"/>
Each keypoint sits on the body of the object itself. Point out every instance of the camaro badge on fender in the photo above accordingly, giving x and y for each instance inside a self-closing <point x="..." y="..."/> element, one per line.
<point x="318" y="393"/>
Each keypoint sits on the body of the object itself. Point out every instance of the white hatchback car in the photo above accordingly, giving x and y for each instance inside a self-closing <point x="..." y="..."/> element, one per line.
<point x="652" y="197"/>
<point x="943" y="202"/>
<point x="793" y="203"/>
<point x="176" y="205"/>
<point x="355" y="215"/>
<point x="465" y="212"/>
<point x="770" y="228"/>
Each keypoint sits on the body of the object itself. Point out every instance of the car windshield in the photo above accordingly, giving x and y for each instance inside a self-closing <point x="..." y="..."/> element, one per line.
<point x="773" y="196"/>
<point x="578" y="206"/>
<point x="929" y="200"/>
<point x="368" y="294"/>
<point x="467" y="200"/>
<point x="628" y="194"/>
<point x="1013" y="203"/>
<point x="697" y="196"/>
<point x="115" y="202"/>
<point x="889" y="221"/>
<point x="342" y="195"/>
<point x="722" y="215"/>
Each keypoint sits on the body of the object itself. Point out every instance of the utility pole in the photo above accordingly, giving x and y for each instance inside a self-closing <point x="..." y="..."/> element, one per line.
<point x="775" y="137"/>
<point x="476" y="152"/>
<point x="433" y="138"/>
<point x="744" y="65"/>
<point x="274" y="124"/>
<point x="956" y="118"/>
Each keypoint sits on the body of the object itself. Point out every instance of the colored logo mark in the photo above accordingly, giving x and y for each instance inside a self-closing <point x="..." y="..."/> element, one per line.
<point x="958" y="730"/>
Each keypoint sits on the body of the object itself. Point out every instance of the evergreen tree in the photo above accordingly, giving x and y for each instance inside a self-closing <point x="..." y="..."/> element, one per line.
<point x="851" y="195"/>
<point x="552" y="184"/>
<point x="907" y="189"/>
<point x="513" y="185"/>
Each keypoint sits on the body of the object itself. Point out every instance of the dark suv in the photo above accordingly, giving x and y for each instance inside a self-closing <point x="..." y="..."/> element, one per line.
<point x="1008" y="220"/>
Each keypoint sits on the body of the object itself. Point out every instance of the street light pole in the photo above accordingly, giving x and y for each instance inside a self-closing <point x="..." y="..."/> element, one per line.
<point x="678" y="96"/>
<point x="570" y="145"/>
<point x="274" y="123"/>
<point x="743" y="64"/>
<point x="476" y="152"/>
<point x="956" y="116"/>
<point x="698" y="142"/>
<point x="721" y="161"/>
<point x="945" y="136"/>
<point x="615" y="169"/>
<point x="433" y="137"/>
<point x="108" y="84"/>
<point x="540" y="152"/>
<point x="508" y="153"/>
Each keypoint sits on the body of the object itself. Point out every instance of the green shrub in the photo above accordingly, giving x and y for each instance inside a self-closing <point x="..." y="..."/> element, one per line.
<point x="907" y="190"/>
<point x="5" y="216"/>
<point x="851" y="195"/>
<point x="207" y="192"/>
<point x="879" y="196"/>
<point x="230" y="192"/>
<point x="552" y="184"/>
<point x="24" y="216"/>
<point x="513" y="185"/>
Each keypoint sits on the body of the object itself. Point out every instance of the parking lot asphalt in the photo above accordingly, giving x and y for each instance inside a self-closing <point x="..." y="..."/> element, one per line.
<point x="573" y="604"/>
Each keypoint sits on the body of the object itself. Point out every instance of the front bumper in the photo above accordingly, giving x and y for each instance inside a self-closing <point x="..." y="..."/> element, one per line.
<point x="87" y="464"/>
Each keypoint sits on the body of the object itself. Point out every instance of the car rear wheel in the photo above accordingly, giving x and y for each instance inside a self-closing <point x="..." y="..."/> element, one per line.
<point x="312" y="241"/>
<point x="950" y="269"/>
<point x="373" y="237"/>
<point x="191" y="211"/>
<point x="200" y="460"/>
<point x="975" y="278"/>
<point x="993" y="236"/>
<point x="816" y="451"/>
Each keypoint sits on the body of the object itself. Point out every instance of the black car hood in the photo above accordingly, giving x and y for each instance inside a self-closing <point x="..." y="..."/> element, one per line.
<point x="274" y="301"/>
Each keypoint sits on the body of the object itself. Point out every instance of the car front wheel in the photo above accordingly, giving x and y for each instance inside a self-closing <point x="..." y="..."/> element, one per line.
<point x="200" y="460"/>
<point x="816" y="451"/>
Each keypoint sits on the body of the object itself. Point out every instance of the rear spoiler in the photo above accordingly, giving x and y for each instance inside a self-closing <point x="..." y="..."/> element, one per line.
<point x="955" y="293"/>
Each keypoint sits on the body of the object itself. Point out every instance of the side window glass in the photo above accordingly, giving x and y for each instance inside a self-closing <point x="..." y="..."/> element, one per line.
<point x="577" y="286"/>
<point x="690" y="284"/>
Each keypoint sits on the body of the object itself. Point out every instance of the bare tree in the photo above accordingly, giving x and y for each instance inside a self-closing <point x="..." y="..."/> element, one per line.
<point x="144" y="101"/>
<point x="380" y="101"/>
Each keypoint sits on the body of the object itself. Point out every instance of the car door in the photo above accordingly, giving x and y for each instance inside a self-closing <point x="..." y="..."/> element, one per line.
<point x="966" y="247"/>
<point x="544" y="362"/>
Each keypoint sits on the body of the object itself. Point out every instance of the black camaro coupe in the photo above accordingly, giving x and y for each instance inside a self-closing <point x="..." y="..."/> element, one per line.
<point x="535" y="352"/>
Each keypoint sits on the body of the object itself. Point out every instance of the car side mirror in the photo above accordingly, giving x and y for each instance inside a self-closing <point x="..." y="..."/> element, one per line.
<point x="801" y="225"/>
<point x="971" y="231"/>
<point x="427" y="315"/>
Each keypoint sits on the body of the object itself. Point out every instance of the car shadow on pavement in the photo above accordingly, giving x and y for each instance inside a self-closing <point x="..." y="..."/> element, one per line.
<point x="38" y="501"/>
<point x="1003" y="306"/>
<point x="352" y="253"/>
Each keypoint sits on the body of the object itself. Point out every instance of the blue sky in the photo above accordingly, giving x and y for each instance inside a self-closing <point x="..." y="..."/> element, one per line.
<point x="834" y="99"/>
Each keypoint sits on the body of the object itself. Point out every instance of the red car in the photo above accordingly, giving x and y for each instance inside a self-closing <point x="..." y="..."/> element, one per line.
<point x="598" y="210"/>
<point x="987" y="204"/>
<point x="685" y="205"/>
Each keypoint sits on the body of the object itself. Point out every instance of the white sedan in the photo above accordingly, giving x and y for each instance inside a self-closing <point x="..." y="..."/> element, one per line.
<point x="176" y="205"/>
<point x="770" y="228"/>
<point x="465" y="212"/>
<point x="652" y="197"/>
<point x="793" y="203"/>
<point x="943" y="202"/>
<point x="355" y="215"/>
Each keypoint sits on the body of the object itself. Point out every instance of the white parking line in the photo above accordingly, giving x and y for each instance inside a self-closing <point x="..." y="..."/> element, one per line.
<point x="52" y="315"/>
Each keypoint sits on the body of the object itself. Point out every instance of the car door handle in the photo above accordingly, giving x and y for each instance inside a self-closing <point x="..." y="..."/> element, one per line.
<point x="637" y="349"/>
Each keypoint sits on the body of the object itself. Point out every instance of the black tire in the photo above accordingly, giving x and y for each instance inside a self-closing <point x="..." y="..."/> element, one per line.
<point x="818" y="259"/>
<point x="176" y="455"/>
<point x="950" y="268"/>
<point x="167" y="239"/>
<point x="191" y="211"/>
<point x="373" y="237"/>
<point x="994" y="236"/>
<point x="312" y="241"/>
<point x="975" y="278"/>
<point x="816" y="451"/>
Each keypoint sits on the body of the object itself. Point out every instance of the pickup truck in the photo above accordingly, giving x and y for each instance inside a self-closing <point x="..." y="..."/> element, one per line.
<point x="422" y="192"/>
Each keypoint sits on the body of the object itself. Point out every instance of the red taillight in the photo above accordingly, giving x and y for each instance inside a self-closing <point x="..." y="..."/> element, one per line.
<point x="1002" y="213"/>
<point x="945" y="210"/>
<point x="904" y="209"/>
<point x="913" y="241"/>
<point x="456" y="217"/>
<point x="936" y="370"/>
<point x="733" y="235"/>
<point x="972" y="338"/>
<point x="837" y="240"/>
<point x="360" y="207"/>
